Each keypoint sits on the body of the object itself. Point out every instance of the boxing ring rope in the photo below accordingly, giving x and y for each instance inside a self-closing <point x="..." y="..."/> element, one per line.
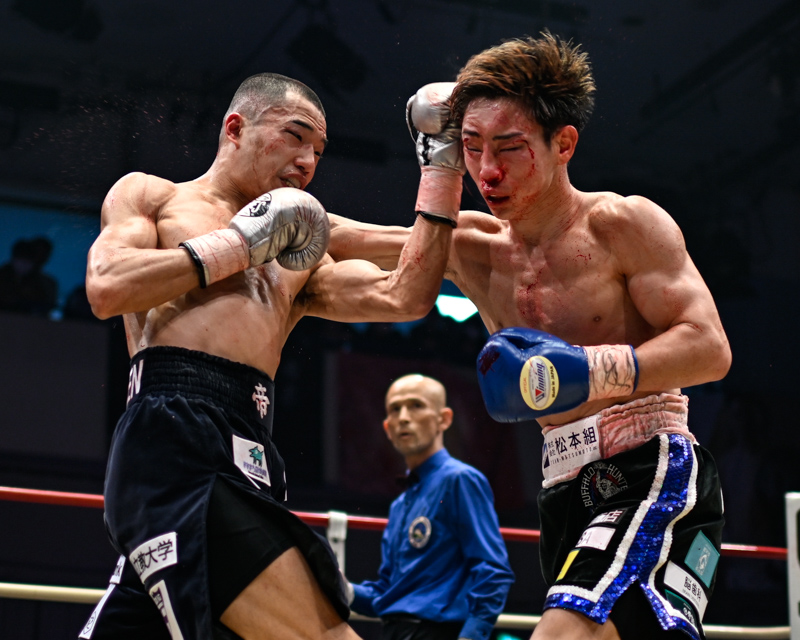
<point x="505" y="621"/>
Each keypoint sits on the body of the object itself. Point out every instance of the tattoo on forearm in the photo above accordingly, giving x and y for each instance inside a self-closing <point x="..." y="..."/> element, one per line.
<point x="612" y="371"/>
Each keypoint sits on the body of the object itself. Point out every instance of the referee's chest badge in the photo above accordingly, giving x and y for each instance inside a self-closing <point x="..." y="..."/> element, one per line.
<point x="419" y="532"/>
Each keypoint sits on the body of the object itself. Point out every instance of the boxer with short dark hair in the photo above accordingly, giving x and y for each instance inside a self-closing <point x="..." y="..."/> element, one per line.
<point x="211" y="276"/>
<point x="631" y="508"/>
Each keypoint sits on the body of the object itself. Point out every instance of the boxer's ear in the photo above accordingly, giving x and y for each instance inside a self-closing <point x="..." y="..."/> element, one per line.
<point x="233" y="125"/>
<point x="564" y="142"/>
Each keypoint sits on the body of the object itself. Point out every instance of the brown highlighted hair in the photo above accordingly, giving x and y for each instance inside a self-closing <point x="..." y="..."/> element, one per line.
<point x="551" y="78"/>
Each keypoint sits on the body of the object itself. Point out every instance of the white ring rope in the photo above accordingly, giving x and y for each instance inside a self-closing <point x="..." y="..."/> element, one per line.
<point x="505" y="621"/>
<point x="338" y="522"/>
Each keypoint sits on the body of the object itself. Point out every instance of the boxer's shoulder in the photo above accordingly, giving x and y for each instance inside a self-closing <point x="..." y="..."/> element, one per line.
<point x="610" y="213"/>
<point x="478" y="223"/>
<point x="142" y="185"/>
<point x="635" y="230"/>
<point x="139" y="193"/>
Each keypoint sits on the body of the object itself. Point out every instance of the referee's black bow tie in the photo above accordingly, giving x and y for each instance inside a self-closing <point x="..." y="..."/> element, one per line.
<point x="407" y="480"/>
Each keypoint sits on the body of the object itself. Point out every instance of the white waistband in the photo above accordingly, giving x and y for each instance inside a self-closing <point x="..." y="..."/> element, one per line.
<point x="618" y="428"/>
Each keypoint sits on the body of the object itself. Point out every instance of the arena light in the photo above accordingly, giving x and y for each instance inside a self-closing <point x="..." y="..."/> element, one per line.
<point x="456" y="307"/>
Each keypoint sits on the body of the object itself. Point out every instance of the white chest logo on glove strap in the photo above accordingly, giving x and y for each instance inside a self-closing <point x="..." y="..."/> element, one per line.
<point x="419" y="532"/>
<point x="257" y="207"/>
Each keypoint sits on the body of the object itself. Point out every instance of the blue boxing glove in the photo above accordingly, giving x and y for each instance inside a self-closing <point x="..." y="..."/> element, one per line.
<point x="526" y="374"/>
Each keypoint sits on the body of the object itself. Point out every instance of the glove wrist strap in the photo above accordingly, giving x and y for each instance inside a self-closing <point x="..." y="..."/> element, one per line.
<point x="435" y="217"/>
<point x="439" y="193"/>
<point x="218" y="255"/>
<point x="613" y="371"/>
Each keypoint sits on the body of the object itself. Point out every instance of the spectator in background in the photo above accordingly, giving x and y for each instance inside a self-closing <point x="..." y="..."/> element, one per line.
<point x="24" y="287"/>
<point x="444" y="572"/>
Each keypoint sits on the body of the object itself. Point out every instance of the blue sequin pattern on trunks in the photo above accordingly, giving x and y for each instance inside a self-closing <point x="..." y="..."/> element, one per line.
<point x="673" y="494"/>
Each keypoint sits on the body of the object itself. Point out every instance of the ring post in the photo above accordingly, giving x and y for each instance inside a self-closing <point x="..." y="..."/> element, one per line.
<point x="793" y="560"/>
<point x="337" y="534"/>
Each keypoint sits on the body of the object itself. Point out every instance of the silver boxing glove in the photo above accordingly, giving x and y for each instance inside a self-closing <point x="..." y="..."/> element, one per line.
<point x="286" y="224"/>
<point x="437" y="139"/>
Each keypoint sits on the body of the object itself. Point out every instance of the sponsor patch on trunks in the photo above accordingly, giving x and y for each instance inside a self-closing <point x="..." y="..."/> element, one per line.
<point x="702" y="558"/>
<point x="117" y="575"/>
<point x="570" y="447"/>
<point x="599" y="482"/>
<point x="154" y="555"/>
<point x="249" y="457"/>
<point x="686" y="587"/>
<point x="567" y="564"/>
<point x="261" y="399"/>
<point x="681" y="605"/>
<point x="596" y="538"/>
<point x="160" y="596"/>
<point x="88" y="629"/>
<point x="609" y="517"/>
<point x="134" y="380"/>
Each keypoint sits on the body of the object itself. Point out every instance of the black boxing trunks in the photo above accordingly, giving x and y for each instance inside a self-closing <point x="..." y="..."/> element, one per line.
<point x="636" y="536"/>
<point x="192" y="500"/>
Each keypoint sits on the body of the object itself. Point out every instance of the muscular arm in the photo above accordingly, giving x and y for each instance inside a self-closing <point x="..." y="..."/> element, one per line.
<point x="379" y="244"/>
<point x="666" y="288"/>
<point x="360" y="291"/>
<point x="126" y="272"/>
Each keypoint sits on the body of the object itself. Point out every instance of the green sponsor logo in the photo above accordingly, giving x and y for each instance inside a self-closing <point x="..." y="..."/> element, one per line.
<point x="702" y="558"/>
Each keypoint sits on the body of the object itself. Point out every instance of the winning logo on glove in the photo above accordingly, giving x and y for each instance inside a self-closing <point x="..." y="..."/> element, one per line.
<point x="538" y="382"/>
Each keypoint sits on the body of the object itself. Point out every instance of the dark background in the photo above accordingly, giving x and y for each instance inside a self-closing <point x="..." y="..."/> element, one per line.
<point x="698" y="108"/>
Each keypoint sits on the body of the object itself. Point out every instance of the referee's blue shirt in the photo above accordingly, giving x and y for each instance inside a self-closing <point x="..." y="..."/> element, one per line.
<point x="443" y="558"/>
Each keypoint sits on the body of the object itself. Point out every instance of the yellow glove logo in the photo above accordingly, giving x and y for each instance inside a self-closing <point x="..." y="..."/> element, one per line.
<point x="538" y="383"/>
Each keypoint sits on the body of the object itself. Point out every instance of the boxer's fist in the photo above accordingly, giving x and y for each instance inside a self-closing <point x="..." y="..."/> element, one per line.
<point x="526" y="374"/>
<point x="286" y="224"/>
<point x="428" y="117"/>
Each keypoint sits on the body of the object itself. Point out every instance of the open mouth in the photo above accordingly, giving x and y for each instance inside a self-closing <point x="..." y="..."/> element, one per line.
<point x="497" y="200"/>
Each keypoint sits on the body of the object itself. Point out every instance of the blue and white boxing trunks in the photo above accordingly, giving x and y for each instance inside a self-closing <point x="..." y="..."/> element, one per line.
<point x="634" y="536"/>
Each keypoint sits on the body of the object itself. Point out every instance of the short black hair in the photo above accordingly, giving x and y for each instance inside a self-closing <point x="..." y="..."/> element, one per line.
<point x="269" y="89"/>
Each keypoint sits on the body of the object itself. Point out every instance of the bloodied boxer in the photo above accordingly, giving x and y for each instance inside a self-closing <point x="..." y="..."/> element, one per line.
<point x="631" y="508"/>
